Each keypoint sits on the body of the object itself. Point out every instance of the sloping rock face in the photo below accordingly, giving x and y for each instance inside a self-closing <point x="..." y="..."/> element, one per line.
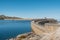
<point x="46" y="36"/>
<point x="29" y="36"/>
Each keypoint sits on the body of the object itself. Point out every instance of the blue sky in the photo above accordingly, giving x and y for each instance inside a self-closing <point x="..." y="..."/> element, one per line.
<point x="31" y="8"/>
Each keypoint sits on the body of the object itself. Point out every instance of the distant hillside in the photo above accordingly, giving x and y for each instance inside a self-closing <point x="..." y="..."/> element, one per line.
<point x="2" y="17"/>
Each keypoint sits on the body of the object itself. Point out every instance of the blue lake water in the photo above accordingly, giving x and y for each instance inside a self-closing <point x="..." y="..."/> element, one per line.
<point x="12" y="28"/>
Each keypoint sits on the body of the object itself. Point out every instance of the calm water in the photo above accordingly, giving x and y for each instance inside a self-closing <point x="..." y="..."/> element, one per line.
<point x="12" y="28"/>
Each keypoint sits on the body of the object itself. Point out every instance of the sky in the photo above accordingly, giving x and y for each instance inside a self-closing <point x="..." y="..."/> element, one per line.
<point x="30" y="8"/>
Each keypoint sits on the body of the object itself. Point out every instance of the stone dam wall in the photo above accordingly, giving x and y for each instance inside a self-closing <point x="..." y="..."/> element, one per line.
<point x="47" y="28"/>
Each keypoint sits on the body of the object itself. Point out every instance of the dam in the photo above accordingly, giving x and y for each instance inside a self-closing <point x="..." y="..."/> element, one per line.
<point x="42" y="26"/>
<point x="42" y="29"/>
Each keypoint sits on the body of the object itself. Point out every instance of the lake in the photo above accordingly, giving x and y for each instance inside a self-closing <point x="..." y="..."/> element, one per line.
<point x="12" y="28"/>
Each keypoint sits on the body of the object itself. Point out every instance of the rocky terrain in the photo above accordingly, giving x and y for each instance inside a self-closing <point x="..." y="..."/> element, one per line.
<point x="27" y="36"/>
<point x="46" y="36"/>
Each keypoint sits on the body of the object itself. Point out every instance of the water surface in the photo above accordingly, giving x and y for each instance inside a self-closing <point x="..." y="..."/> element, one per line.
<point x="12" y="28"/>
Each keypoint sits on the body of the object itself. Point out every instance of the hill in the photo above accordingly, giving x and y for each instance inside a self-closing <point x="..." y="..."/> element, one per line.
<point x="3" y="17"/>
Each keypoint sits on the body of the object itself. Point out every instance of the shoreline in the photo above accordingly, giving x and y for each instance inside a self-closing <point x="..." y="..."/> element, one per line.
<point x="27" y="36"/>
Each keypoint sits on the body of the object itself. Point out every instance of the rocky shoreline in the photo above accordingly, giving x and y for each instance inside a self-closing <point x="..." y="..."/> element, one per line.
<point x="32" y="36"/>
<point x="26" y="36"/>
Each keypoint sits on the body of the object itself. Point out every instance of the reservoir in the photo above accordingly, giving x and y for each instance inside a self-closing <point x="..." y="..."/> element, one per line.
<point x="12" y="28"/>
